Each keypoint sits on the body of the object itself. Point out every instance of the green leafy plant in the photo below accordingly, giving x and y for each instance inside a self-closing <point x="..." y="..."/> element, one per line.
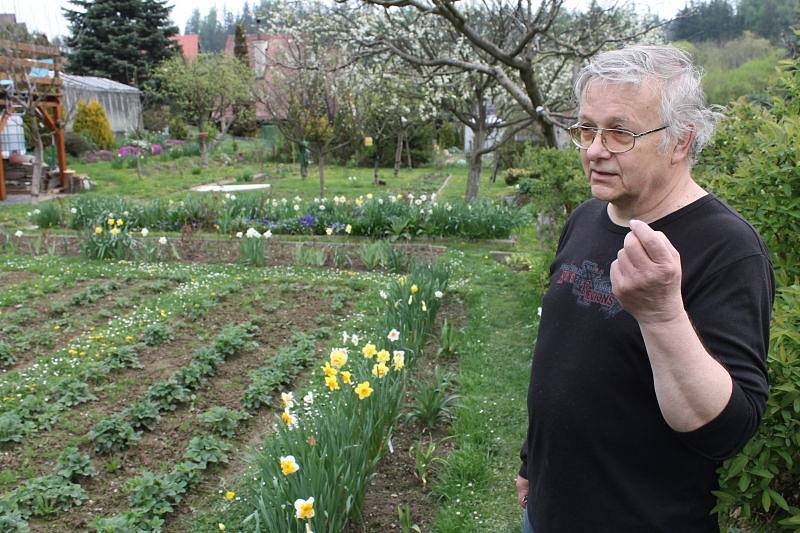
<point x="13" y="428"/>
<point x="167" y="394"/>
<point x="251" y="248"/>
<point x="406" y="523"/>
<point x="47" y="495"/>
<point x="222" y="421"/>
<point x="112" y="434"/>
<point x="6" y="356"/>
<point x="374" y="254"/>
<point x="156" y="333"/>
<point x="47" y="215"/>
<point x="448" y="340"/>
<point x="144" y="414"/>
<point x="153" y="495"/>
<point x="72" y="391"/>
<point x="207" y="450"/>
<point x="309" y="256"/>
<point x="121" y="357"/>
<point x="424" y="455"/>
<point x="72" y="463"/>
<point x="433" y="404"/>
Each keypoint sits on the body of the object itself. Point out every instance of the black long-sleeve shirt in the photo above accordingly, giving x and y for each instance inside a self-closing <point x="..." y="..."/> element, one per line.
<point x="599" y="455"/>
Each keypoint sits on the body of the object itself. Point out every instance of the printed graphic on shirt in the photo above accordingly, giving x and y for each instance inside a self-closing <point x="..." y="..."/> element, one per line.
<point x="591" y="285"/>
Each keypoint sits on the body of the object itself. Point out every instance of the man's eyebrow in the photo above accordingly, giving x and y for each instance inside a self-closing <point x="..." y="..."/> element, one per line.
<point x="613" y="120"/>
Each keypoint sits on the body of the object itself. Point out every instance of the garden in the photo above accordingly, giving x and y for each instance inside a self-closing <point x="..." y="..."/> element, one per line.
<point x="326" y="325"/>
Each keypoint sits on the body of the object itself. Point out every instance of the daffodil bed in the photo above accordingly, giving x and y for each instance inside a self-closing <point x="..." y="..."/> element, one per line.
<point x="177" y="367"/>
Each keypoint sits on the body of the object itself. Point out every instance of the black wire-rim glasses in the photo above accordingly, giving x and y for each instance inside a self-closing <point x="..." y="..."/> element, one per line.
<point x="615" y="140"/>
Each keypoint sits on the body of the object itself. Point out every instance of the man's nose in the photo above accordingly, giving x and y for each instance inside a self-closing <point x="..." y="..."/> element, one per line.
<point x="597" y="149"/>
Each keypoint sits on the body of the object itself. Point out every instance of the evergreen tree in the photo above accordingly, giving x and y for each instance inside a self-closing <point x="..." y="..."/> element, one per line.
<point x="119" y="39"/>
<point x="193" y="24"/>
<point x="246" y="19"/>
<point x="240" y="44"/>
<point x="212" y="33"/>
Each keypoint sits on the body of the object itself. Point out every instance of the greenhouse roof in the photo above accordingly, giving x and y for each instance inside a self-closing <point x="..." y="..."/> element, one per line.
<point x="93" y="83"/>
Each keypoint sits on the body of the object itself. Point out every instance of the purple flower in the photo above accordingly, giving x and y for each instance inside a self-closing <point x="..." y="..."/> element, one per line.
<point x="156" y="149"/>
<point x="173" y="142"/>
<point x="125" y="151"/>
<point x="105" y="155"/>
<point x="307" y="221"/>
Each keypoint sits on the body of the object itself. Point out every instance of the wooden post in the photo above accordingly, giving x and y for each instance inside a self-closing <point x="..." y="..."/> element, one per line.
<point x="2" y="176"/>
<point x="61" y="150"/>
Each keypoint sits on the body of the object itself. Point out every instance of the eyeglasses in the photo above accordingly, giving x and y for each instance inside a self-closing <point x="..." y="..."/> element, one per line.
<point x="615" y="140"/>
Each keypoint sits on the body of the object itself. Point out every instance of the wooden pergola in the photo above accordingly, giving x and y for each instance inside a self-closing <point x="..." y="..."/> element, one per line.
<point x="19" y="64"/>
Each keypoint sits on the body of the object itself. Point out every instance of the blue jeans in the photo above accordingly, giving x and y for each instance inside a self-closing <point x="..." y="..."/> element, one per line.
<point x="526" y="524"/>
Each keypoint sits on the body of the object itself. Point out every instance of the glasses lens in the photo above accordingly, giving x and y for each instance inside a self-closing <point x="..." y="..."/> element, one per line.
<point x="618" y="140"/>
<point x="582" y="136"/>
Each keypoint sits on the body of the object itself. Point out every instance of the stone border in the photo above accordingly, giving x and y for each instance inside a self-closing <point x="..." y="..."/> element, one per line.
<point x="200" y="250"/>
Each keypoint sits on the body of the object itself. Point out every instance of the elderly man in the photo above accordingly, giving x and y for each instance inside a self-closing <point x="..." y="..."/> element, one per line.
<point x="650" y="365"/>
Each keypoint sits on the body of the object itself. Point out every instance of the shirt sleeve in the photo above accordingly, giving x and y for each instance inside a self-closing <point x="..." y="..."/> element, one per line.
<point x="731" y="314"/>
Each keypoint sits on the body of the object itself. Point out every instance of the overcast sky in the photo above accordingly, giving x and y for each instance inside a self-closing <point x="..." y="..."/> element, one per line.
<point x="45" y="15"/>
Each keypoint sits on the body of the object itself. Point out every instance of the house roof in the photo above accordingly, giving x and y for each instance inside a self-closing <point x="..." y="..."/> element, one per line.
<point x="96" y="84"/>
<point x="190" y="45"/>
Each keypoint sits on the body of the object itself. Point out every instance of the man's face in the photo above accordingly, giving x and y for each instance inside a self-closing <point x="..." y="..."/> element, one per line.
<point x="640" y="178"/>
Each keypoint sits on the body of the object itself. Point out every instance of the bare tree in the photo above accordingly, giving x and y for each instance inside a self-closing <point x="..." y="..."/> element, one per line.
<point x="307" y="90"/>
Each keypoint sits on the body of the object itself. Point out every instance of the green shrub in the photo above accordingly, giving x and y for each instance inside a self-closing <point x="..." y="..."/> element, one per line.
<point x="47" y="215"/>
<point x="76" y="144"/>
<point x="92" y="123"/>
<point x="6" y="356"/>
<point x="156" y="333"/>
<point x="12" y="428"/>
<point x="177" y="128"/>
<point x="47" y="495"/>
<point x="167" y="394"/>
<point x="143" y="414"/>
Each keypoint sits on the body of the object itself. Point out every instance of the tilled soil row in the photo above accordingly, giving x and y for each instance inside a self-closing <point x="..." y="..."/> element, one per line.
<point x="86" y="317"/>
<point x="158" y="363"/>
<point x="162" y="448"/>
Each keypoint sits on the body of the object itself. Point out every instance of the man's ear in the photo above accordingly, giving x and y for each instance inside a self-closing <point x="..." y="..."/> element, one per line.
<point x="683" y="148"/>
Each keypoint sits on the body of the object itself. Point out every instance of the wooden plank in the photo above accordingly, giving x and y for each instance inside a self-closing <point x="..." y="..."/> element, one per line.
<point x="21" y="80"/>
<point x="6" y="61"/>
<point x="27" y="47"/>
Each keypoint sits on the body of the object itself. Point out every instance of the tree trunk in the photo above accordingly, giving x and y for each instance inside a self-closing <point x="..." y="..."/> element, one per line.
<point x="408" y="152"/>
<point x="496" y="164"/>
<point x="475" y="161"/>
<point x="549" y="132"/>
<point x="375" y="162"/>
<point x="398" y="153"/>
<point x="38" y="156"/>
<point x="321" y="166"/>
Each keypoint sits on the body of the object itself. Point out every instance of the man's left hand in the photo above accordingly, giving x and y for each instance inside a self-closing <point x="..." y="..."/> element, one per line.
<point x="646" y="276"/>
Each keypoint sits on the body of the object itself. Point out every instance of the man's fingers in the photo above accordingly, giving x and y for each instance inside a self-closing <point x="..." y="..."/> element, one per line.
<point x="655" y="244"/>
<point x="635" y="252"/>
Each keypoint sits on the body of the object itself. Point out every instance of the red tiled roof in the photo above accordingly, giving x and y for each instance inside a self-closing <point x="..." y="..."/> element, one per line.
<point x="190" y="45"/>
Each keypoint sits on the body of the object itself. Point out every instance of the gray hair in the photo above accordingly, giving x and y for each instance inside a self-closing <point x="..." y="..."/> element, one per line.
<point x="683" y="104"/>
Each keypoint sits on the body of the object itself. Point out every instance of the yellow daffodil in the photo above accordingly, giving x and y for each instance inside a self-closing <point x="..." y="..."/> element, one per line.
<point x="399" y="359"/>
<point x="120" y="222"/>
<point x="114" y="231"/>
<point x="81" y="354"/>
<point x="401" y="280"/>
<point x="424" y="307"/>
<point x="221" y="526"/>
<point x="410" y="298"/>
<point x="348" y="229"/>
<point x="304" y="509"/>
<point x="414" y="289"/>
<point x="332" y="383"/>
<point x="383" y="356"/>
<point x="110" y="221"/>
<point x="338" y="358"/>
<point x="369" y="196"/>
<point x="289" y="465"/>
<point x="230" y="495"/>
<point x="288" y="418"/>
<point x="369" y="350"/>
<point x="346" y="377"/>
<point x="98" y="230"/>
<point x="56" y="327"/>
<point x="329" y="371"/>
<point x="72" y="351"/>
<point x="287" y="399"/>
<point x="129" y="338"/>
<point x="363" y="390"/>
<point x="380" y="370"/>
